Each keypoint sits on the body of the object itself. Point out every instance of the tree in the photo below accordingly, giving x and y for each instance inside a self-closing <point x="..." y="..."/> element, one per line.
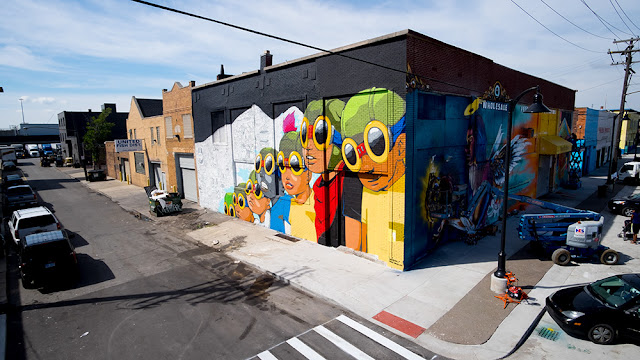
<point x="98" y="131"/>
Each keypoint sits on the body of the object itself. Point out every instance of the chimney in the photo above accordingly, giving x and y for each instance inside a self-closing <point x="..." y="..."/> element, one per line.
<point x="265" y="60"/>
<point x="192" y="83"/>
<point x="220" y="76"/>
<point x="89" y="110"/>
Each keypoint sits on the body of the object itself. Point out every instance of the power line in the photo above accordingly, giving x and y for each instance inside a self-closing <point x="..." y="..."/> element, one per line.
<point x="296" y="43"/>
<point x="603" y="21"/>
<point x="570" y="22"/>
<point x="608" y="82"/>
<point x="620" y="16"/>
<point x="551" y="31"/>
<point x="627" y="16"/>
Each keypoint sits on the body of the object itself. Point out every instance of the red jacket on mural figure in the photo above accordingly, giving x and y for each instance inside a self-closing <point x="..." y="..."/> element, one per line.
<point x="321" y="141"/>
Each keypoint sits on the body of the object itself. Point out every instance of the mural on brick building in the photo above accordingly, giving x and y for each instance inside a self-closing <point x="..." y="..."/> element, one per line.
<point x="462" y="178"/>
<point x="332" y="174"/>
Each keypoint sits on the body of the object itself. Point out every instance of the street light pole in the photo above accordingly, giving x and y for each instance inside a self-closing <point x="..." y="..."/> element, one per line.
<point x="536" y="107"/>
<point x="22" y="108"/>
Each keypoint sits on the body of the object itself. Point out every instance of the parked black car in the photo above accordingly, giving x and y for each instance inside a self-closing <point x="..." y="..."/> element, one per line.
<point x="9" y="165"/>
<point x="625" y="206"/>
<point x="12" y="180"/>
<point x="602" y="311"/>
<point x="18" y="197"/>
<point x="46" y="258"/>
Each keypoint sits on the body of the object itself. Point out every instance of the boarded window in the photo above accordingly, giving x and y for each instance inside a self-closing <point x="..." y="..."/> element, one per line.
<point x="168" y="126"/>
<point x="139" y="159"/>
<point x="219" y="127"/>
<point x="158" y="134"/>
<point x="187" y="125"/>
<point x="152" y="139"/>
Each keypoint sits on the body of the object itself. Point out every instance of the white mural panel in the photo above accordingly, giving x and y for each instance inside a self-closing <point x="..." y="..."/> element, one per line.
<point x="221" y="167"/>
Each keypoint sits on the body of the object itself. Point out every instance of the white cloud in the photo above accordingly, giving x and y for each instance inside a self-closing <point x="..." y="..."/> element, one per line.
<point x="79" y="54"/>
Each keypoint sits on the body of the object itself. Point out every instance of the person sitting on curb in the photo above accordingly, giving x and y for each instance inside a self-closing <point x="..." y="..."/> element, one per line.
<point x="635" y="225"/>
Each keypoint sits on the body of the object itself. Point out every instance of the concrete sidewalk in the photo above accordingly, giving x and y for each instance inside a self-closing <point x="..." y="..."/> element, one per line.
<point x="370" y="289"/>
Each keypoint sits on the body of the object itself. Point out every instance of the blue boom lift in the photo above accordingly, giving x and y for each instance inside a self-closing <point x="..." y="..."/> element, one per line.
<point x="566" y="233"/>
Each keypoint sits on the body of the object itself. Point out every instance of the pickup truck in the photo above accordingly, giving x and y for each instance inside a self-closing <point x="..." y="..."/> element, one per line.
<point x="629" y="172"/>
<point x="18" y="197"/>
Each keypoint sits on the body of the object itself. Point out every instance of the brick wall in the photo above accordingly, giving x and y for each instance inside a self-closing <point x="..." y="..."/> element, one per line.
<point x="176" y="103"/>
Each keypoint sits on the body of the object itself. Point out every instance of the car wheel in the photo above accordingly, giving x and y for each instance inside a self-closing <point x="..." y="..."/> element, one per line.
<point x="602" y="334"/>
<point x="609" y="257"/>
<point x="627" y="211"/>
<point x="561" y="256"/>
<point x="27" y="283"/>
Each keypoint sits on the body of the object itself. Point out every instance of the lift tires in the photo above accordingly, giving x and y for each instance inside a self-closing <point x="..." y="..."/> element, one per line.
<point x="561" y="256"/>
<point x="609" y="257"/>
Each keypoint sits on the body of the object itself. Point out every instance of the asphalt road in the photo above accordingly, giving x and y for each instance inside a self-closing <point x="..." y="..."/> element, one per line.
<point x="145" y="291"/>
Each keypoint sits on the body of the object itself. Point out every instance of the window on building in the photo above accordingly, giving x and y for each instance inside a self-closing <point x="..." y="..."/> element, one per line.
<point x="168" y="126"/>
<point x="219" y="127"/>
<point x="187" y="125"/>
<point x="158" y="134"/>
<point x="152" y="139"/>
<point x="135" y="136"/>
<point x="139" y="159"/>
<point x="130" y="134"/>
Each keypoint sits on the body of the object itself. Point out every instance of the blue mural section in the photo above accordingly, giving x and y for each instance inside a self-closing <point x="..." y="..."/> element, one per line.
<point x="457" y="168"/>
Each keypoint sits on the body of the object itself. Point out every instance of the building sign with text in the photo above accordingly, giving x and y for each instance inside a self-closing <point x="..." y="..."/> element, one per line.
<point x="128" y="145"/>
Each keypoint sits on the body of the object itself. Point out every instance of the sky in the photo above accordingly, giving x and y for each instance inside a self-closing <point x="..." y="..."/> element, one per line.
<point x="67" y="55"/>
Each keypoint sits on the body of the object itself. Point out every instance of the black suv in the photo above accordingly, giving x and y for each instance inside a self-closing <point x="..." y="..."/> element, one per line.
<point x="47" y="257"/>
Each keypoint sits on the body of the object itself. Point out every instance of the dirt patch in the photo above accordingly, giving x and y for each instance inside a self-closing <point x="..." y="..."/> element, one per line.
<point x="476" y="317"/>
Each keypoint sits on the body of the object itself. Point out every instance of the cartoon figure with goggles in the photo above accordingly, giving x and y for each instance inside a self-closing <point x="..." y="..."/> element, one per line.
<point x="240" y="207"/>
<point x="374" y="145"/>
<point x="265" y="186"/>
<point x="321" y="147"/>
<point x="295" y="178"/>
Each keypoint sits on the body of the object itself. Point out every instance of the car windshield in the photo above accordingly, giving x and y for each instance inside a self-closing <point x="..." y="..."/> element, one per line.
<point x="22" y="190"/>
<point x="614" y="291"/>
<point x="634" y="197"/>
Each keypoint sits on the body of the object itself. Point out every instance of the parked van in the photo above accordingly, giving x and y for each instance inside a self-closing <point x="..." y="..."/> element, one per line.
<point x="629" y="172"/>
<point x="33" y="151"/>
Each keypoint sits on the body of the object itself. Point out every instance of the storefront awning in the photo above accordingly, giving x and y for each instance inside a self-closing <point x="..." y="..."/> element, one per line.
<point x="554" y="145"/>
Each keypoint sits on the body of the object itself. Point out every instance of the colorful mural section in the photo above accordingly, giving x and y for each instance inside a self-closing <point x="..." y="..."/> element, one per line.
<point x="333" y="173"/>
<point x="459" y="166"/>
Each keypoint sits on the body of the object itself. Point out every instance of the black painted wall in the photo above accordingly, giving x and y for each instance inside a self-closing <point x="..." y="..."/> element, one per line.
<point x="325" y="76"/>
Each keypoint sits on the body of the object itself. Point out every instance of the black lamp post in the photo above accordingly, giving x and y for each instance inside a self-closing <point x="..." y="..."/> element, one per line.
<point x="536" y="107"/>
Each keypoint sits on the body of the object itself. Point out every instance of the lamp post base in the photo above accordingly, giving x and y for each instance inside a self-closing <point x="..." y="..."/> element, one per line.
<point x="498" y="285"/>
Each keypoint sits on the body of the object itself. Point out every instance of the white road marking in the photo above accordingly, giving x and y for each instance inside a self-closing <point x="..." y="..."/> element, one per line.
<point x="379" y="338"/>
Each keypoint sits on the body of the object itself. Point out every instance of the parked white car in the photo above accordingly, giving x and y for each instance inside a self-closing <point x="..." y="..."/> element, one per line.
<point x="30" y="221"/>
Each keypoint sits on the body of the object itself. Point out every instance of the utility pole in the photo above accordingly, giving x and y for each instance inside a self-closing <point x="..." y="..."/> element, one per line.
<point x="628" y="52"/>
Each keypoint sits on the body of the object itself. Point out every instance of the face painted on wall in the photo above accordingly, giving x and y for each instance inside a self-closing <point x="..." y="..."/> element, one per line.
<point x="240" y="204"/>
<point x="471" y="145"/>
<point x="229" y="207"/>
<point x="375" y="142"/>
<point x="320" y="135"/>
<point x="293" y="171"/>
<point x="266" y="172"/>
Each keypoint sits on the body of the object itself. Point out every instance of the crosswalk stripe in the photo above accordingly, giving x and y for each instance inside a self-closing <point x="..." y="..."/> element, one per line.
<point x="341" y="343"/>
<point x="266" y="355"/>
<point x="305" y="350"/>
<point x="407" y="354"/>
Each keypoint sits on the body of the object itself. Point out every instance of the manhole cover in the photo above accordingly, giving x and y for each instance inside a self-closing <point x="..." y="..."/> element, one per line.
<point x="287" y="237"/>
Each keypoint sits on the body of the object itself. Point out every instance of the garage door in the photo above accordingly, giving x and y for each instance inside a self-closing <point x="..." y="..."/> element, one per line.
<point x="189" y="184"/>
<point x="188" y="175"/>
